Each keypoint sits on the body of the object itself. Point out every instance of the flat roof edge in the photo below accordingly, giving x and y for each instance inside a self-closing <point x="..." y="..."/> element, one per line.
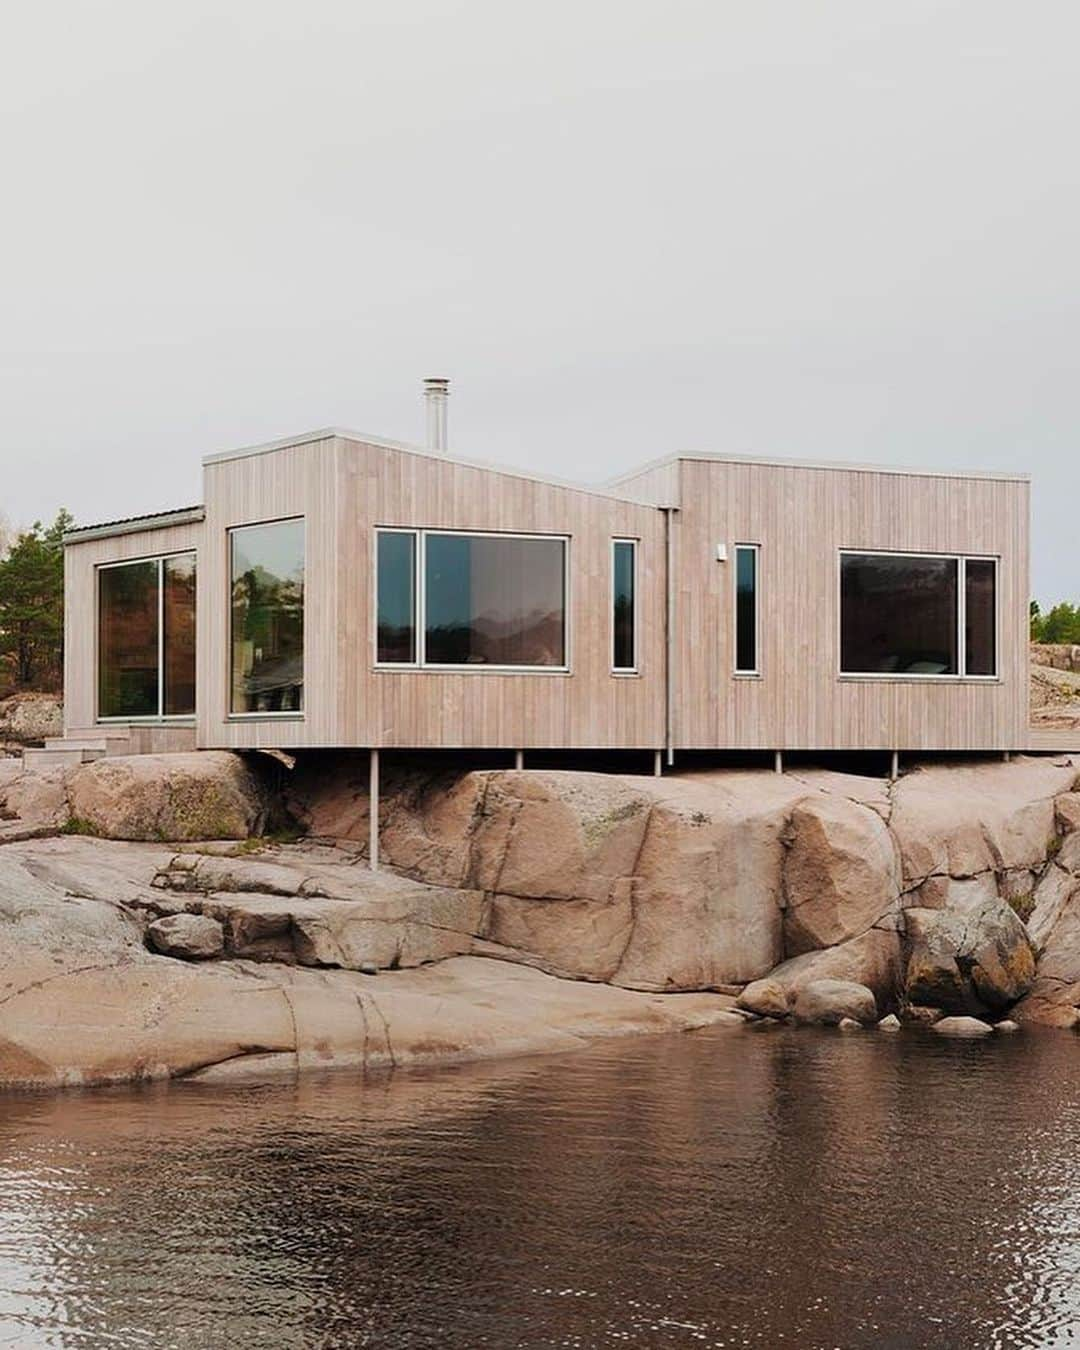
<point x="161" y="520"/>
<point x="852" y="466"/>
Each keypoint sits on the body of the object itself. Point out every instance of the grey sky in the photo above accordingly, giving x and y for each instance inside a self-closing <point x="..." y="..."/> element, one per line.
<point x="847" y="229"/>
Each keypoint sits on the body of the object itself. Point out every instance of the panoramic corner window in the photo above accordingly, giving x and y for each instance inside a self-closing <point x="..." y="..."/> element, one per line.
<point x="917" y="615"/>
<point x="746" y="609"/>
<point x="146" y="638"/>
<point x="395" y="568"/>
<point x="624" y="601"/>
<point x="266" y="578"/>
<point x="494" y="600"/>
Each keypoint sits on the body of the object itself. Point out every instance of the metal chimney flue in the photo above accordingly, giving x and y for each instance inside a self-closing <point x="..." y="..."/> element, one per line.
<point x="436" y="394"/>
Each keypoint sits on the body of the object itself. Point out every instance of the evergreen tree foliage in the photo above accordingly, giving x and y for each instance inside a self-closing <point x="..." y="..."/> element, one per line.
<point x="32" y="607"/>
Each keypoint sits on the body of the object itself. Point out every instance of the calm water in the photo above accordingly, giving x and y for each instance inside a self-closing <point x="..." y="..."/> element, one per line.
<point x="769" y="1188"/>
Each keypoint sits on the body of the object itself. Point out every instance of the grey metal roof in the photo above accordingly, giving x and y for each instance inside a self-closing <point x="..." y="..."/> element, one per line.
<point x="156" y="520"/>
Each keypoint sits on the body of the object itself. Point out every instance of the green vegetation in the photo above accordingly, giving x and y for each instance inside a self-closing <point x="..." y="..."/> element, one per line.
<point x="77" y="825"/>
<point x="1059" y="625"/>
<point x="1023" y="906"/>
<point x="32" y="608"/>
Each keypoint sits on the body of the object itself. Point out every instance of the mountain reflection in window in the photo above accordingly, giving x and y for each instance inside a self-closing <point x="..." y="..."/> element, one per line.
<point x="496" y="600"/>
<point x="267" y="581"/>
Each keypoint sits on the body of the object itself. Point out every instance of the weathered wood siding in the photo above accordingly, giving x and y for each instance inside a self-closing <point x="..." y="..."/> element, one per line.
<point x="81" y="561"/>
<point x="802" y="517"/>
<point x="344" y="489"/>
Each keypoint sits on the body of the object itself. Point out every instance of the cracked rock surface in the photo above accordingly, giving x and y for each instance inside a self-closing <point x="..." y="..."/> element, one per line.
<point x="956" y="890"/>
<point x="83" y="1000"/>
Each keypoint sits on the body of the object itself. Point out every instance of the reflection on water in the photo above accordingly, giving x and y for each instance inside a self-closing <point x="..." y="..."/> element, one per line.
<point x="768" y="1188"/>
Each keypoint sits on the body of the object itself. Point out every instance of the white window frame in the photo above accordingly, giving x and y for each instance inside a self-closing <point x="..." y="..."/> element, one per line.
<point x="287" y="715"/>
<point x="904" y="677"/>
<point x="737" y="670"/>
<point x="635" y="668"/>
<point x="143" y="719"/>
<point x="421" y="664"/>
<point x="377" y="533"/>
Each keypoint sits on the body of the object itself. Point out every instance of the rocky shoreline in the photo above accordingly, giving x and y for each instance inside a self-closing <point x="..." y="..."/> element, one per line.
<point x="521" y="912"/>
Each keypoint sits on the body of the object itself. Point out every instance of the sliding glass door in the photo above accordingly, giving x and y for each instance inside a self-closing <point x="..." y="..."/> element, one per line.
<point x="146" y="638"/>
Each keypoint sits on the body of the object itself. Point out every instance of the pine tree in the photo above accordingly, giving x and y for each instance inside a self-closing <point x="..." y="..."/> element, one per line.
<point x="32" y="605"/>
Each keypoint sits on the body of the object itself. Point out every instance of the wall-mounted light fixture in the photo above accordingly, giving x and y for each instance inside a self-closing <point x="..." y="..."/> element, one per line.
<point x="721" y="553"/>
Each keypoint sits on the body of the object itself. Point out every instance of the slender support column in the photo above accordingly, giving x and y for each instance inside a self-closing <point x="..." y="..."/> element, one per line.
<point x="894" y="768"/>
<point x="519" y="760"/>
<point x="373" y="808"/>
<point x="658" y="764"/>
<point x="778" y="762"/>
<point x="1007" y="757"/>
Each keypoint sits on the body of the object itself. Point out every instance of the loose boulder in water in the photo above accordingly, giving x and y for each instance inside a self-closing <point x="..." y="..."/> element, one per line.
<point x="829" y="1002"/>
<point x="963" y="1026"/>
<point x="968" y="960"/>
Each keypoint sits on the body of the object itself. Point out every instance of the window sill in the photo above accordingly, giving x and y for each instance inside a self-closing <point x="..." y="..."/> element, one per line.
<point x="746" y="675"/>
<point x="265" y="717"/>
<point x="403" y="669"/>
<point x="626" y="674"/>
<point x="180" y="720"/>
<point x="919" y="679"/>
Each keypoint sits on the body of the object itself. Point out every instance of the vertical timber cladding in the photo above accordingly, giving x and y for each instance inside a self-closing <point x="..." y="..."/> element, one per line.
<point x="345" y="488"/>
<point x="802" y="517"/>
<point x="81" y="561"/>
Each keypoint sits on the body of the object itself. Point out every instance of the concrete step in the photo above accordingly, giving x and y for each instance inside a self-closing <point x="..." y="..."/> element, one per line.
<point x="118" y="735"/>
<point x="80" y="743"/>
<point x="59" y="758"/>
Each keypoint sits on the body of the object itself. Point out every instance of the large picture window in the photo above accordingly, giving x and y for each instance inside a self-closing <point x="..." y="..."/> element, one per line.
<point x="917" y="615"/>
<point x="266" y="574"/>
<point x="469" y="601"/>
<point x="146" y="638"/>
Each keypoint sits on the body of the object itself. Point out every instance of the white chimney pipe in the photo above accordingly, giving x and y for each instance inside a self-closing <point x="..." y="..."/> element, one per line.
<point x="436" y="393"/>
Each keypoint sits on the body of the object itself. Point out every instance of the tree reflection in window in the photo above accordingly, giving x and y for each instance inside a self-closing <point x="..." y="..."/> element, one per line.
<point x="267" y="581"/>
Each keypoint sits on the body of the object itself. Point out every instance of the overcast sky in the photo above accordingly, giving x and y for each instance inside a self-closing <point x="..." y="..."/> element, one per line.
<point x="841" y="228"/>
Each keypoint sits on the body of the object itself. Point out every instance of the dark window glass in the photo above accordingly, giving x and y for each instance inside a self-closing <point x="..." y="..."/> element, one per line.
<point x="898" y="616"/>
<point x="397" y="598"/>
<point x="623" y="581"/>
<point x="496" y="600"/>
<point x="128" y="640"/>
<point x="178" y="612"/>
<point x="746" y="560"/>
<point x="267" y="579"/>
<point x="981" y="644"/>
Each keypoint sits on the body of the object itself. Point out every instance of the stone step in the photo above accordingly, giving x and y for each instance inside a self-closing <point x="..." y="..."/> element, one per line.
<point x="56" y="757"/>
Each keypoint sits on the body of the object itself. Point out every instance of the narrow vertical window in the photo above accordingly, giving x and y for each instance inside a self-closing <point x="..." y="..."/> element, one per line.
<point x="178" y="635"/>
<point x="396" y="597"/>
<point x="980" y="613"/>
<point x="746" y="606"/>
<point x="624" y="600"/>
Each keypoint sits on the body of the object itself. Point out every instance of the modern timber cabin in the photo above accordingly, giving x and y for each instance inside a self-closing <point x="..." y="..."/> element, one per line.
<point x="338" y="590"/>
